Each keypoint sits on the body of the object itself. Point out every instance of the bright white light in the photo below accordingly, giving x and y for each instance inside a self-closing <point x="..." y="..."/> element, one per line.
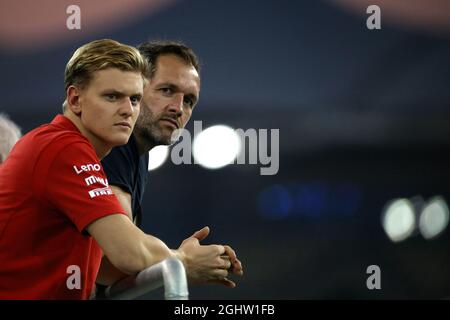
<point x="157" y="156"/>
<point x="216" y="147"/>
<point x="399" y="220"/>
<point x="434" y="218"/>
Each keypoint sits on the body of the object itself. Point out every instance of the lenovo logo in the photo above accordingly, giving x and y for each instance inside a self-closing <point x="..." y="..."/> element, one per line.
<point x="87" y="167"/>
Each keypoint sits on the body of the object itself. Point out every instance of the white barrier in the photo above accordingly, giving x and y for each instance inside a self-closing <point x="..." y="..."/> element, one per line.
<point x="169" y="273"/>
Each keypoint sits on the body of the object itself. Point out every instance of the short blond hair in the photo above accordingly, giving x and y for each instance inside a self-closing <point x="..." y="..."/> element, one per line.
<point x="9" y="134"/>
<point x="99" y="55"/>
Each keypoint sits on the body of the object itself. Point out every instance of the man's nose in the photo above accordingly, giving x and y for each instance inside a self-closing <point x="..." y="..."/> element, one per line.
<point x="176" y="104"/>
<point x="127" y="108"/>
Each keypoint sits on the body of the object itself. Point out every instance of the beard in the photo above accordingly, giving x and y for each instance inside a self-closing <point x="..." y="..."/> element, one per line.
<point x="148" y="128"/>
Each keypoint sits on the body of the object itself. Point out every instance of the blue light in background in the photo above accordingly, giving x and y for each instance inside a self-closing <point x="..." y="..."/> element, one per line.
<point x="311" y="200"/>
<point x="275" y="202"/>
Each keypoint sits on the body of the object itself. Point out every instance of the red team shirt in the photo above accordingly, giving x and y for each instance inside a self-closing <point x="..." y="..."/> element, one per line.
<point x="52" y="186"/>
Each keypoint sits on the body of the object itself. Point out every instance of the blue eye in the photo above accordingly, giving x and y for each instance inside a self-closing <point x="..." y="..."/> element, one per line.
<point x="135" y="100"/>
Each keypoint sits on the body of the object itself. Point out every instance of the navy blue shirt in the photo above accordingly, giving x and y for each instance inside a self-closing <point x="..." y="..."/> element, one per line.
<point x="126" y="169"/>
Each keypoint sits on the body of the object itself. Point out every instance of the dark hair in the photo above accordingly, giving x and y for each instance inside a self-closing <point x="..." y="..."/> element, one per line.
<point x="153" y="49"/>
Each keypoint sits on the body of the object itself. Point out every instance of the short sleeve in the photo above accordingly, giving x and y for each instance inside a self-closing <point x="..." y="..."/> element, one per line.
<point x="75" y="183"/>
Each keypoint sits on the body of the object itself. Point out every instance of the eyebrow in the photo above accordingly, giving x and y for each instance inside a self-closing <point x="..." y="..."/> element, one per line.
<point x="120" y="93"/>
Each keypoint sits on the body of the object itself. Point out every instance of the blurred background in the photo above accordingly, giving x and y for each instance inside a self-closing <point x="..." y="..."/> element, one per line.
<point x="363" y="118"/>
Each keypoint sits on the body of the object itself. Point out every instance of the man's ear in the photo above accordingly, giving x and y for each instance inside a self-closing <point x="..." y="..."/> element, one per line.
<point x="74" y="99"/>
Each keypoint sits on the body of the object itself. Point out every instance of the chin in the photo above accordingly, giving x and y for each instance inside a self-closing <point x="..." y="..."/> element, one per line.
<point x="120" y="141"/>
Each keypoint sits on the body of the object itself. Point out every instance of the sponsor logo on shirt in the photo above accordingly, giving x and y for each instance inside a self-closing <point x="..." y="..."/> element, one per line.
<point x="87" y="168"/>
<point x="100" y="192"/>
<point x="93" y="179"/>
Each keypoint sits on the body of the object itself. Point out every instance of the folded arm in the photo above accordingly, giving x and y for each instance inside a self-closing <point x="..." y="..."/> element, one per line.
<point x="128" y="250"/>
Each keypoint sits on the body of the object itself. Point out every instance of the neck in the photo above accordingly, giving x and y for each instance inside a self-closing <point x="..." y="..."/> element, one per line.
<point x="143" y="145"/>
<point x="101" y="149"/>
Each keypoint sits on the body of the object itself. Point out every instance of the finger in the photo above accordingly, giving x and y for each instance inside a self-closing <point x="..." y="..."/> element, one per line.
<point x="237" y="267"/>
<point x="236" y="264"/>
<point x="230" y="252"/>
<point x="225" y="257"/>
<point x="218" y="249"/>
<point x="219" y="273"/>
<point x="226" y="263"/>
<point x="201" y="234"/>
<point x="237" y="272"/>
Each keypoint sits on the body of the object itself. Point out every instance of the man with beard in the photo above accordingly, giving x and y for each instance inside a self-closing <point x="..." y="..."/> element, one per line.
<point x="169" y="99"/>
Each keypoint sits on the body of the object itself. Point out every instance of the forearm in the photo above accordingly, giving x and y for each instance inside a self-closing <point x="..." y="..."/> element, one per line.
<point x="109" y="274"/>
<point x="146" y="252"/>
<point x="128" y="249"/>
<point x="131" y="251"/>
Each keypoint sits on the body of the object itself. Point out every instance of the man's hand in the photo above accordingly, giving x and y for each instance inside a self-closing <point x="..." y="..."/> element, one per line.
<point x="236" y="265"/>
<point x="208" y="263"/>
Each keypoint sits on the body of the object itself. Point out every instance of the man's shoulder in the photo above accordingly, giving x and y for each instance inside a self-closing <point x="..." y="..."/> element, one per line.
<point x="54" y="134"/>
<point x="48" y="139"/>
